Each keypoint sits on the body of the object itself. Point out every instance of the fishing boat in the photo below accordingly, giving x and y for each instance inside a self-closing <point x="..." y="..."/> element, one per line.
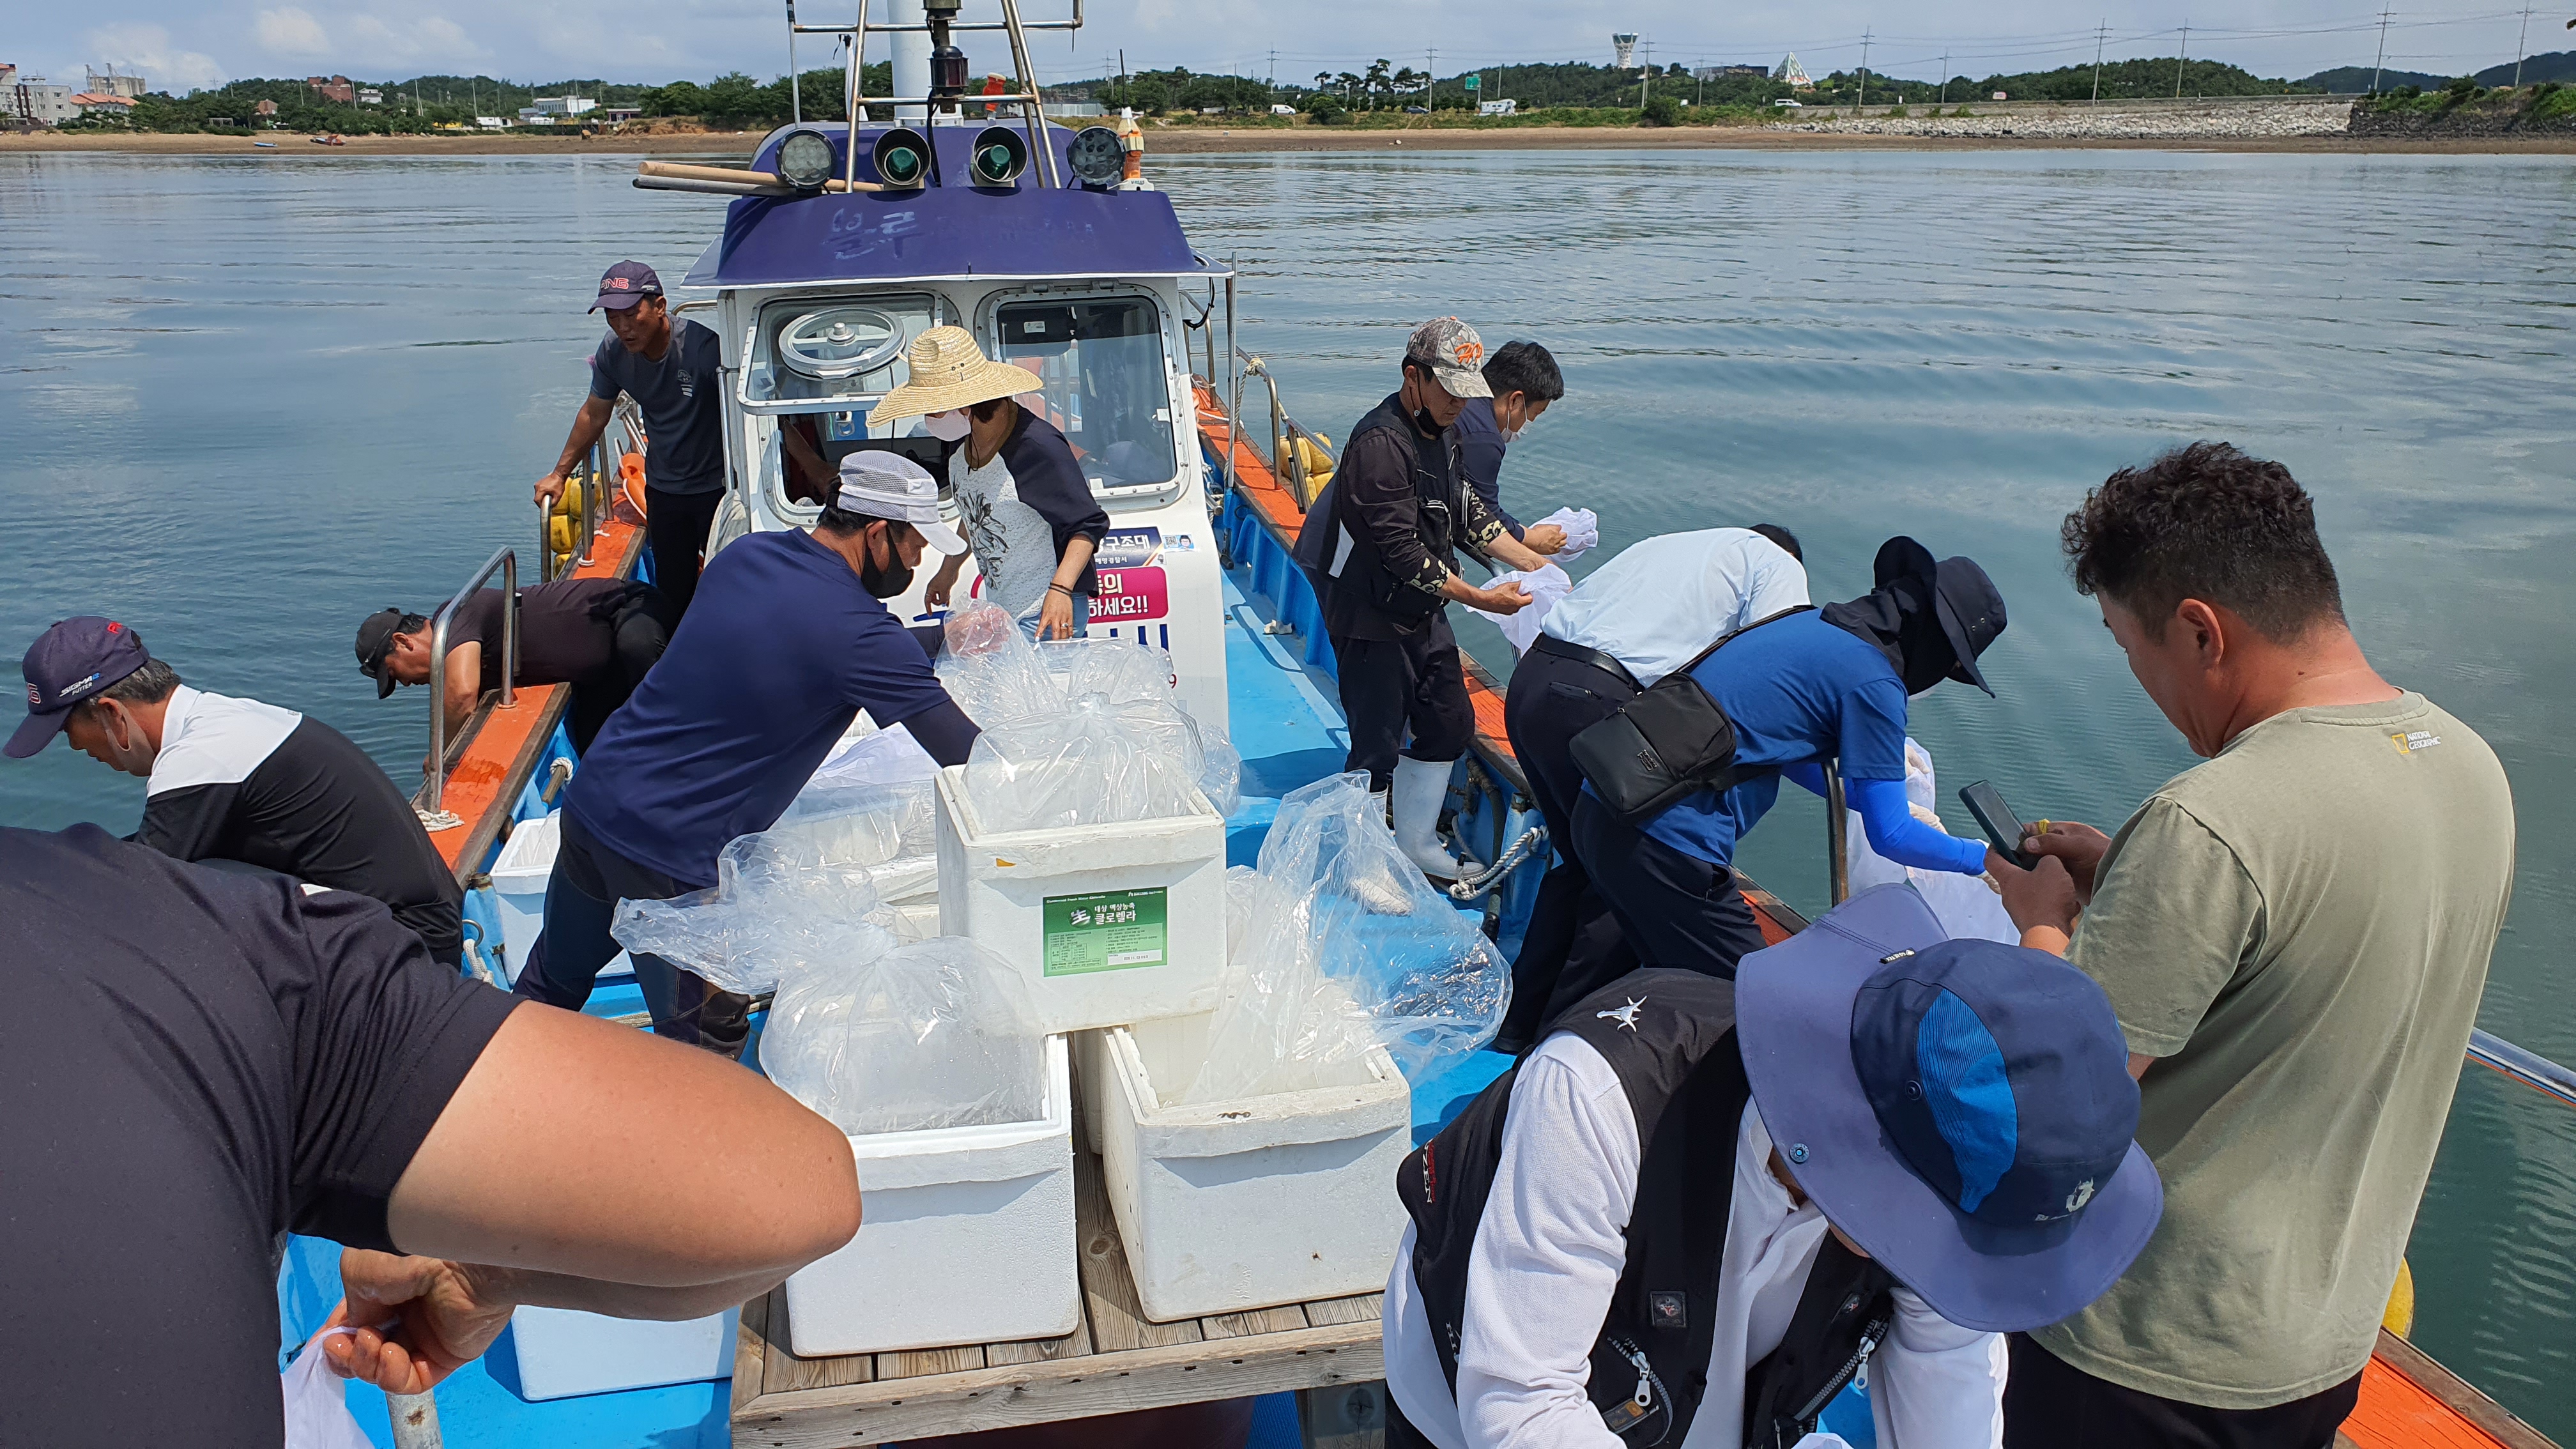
<point x="843" y="244"/>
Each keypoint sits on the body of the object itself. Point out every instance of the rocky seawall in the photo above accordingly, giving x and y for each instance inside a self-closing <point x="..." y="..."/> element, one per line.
<point x="2464" y="121"/>
<point x="2185" y="121"/>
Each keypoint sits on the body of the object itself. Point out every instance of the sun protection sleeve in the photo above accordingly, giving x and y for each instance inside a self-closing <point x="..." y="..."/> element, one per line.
<point x="1548" y="1253"/>
<point x="1890" y="824"/>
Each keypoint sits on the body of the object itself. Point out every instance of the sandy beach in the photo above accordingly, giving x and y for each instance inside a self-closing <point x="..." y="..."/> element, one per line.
<point x="1198" y="139"/>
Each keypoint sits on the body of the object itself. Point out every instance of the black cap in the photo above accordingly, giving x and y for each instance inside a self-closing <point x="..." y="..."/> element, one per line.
<point x="375" y="640"/>
<point x="67" y="664"/>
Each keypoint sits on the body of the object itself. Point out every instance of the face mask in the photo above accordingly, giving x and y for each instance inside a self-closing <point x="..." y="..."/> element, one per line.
<point x="1512" y="435"/>
<point x="1422" y="419"/>
<point x="949" y="427"/>
<point x="887" y="582"/>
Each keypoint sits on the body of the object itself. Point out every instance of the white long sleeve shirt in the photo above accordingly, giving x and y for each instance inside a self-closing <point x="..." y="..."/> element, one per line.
<point x="1547" y="1258"/>
<point x="1663" y="600"/>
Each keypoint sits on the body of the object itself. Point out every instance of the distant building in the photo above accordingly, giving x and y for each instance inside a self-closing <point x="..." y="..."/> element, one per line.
<point x="620" y="115"/>
<point x="91" y="103"/>
<point x="109" y="83"/>
<point x="559" y="106"/>
<point x="265" y="110"/>
<point x="1071" y="110"/>
<point x="1728" y="72"/>
<point x="370" y="96"/>
<point x="493" y="123"/>
<point x="1498" y="108"/>
<point x="1794" y="73"/>
<point x="32" y="100"/>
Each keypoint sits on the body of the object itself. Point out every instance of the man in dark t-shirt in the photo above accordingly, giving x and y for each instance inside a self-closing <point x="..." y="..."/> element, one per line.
<point x="787" y="644"/>
<point x="597" y="635"/>
<point x="672" y="367"/>
<point x="235" y="779"/>
<point x="201" y="1062"/>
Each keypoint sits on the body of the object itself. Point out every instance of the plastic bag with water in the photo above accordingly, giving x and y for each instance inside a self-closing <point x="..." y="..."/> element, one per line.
<point x="1967" y="907"/>
<point x="877" y="1037"/>
<point x="890" y="830"/>
<point x="1336" y="944"/>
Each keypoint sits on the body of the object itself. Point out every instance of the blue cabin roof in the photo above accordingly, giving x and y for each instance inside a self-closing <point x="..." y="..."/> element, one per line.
<point x="955" y="230"/>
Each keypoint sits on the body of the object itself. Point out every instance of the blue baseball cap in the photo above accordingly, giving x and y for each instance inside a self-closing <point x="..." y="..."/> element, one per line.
<point x="1962" y="1109"/>
<point x="67" y="664"/>
<point x="624" y="285"/>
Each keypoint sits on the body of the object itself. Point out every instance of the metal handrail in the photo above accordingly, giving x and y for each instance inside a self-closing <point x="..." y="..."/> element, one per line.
<point x="434" y="815"/>
<point x="1280" y="450"/>
<point x="1837" y="832"/>
<point x="2523" y="1065"/>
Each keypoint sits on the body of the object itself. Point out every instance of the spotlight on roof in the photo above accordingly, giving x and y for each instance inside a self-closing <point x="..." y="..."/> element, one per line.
<point x="1097" y="158"/>
<point x="999" y="156"/>
<point x="805" y="159"/>
<point x="902" y="158"/>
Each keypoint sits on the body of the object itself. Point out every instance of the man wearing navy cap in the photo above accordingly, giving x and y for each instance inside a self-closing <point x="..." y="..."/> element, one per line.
<point x="1695" y="1212"/>
<point x="235" y="779"/>
<point x="672" y="368"/>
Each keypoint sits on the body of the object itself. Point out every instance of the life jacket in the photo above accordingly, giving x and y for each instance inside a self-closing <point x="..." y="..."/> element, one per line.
<point x="1340" y="558"/>
<point x="1670" y="1037"/>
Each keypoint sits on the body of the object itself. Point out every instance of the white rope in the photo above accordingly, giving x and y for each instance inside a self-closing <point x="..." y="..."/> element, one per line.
<point x="1468" y="888"/>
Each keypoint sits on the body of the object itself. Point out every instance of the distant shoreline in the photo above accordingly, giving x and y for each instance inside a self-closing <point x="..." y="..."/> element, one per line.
<point x="1198" y="140"/>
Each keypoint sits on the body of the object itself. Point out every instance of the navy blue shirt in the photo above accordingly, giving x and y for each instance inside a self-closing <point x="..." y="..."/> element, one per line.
<point x="780" y="650"/>
<point x="1480" y="453"/>
<point x="683" y="401"/>
<point x="1797" y="689"/>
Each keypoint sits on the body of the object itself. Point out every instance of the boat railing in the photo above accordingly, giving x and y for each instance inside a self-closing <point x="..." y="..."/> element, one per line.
<point x="939" y="24"/>
<point x="434" y="815"/>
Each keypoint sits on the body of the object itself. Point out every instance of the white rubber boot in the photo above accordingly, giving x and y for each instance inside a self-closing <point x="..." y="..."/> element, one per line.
<point x="1421" y="788"/>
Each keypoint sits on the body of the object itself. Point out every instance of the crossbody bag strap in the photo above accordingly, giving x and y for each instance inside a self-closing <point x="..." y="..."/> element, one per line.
<point x="1732" y="635"/>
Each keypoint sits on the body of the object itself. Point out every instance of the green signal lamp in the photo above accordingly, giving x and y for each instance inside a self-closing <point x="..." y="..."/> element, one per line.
<point x="902" y="159"/>
<point x="999" y="156"/>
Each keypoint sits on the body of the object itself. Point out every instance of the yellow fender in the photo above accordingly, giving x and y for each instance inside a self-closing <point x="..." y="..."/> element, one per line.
<point x="1317" y="462"/>
<point x="2400" y="1317"/>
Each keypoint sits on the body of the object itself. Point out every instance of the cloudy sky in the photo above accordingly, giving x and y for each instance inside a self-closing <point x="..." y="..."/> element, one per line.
<point x="181" y="44"/>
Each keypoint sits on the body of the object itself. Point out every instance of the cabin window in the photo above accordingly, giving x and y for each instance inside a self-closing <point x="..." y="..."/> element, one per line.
<point x="839" y="349"/>
<point x="1100" y="367"/>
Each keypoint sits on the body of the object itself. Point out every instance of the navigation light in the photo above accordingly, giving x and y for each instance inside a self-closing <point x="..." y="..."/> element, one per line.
<point x="999" y="156"/>
<point x="902" y="158"/>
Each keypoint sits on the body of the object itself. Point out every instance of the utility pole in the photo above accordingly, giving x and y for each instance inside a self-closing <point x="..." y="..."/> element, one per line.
<point x="2382" y="60"/>
<point x="2099" y="31"/>
<point x="1864" y="71"/>
<point x="1126" y="97"/>
<point x="2178" y="58"/>
<point x="1430" y="70"/>
<point x="1646" y="78"/>
<point x="1945" y="78"/>
<point x="2520" y="46"/>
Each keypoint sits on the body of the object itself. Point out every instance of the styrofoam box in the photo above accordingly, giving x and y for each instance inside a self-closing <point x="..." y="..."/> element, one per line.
<point x="563" y="1353"/>
<point x="1250" y="1203"/>
<point x="519" y="876"/>
<point x="968" y="1239"/>
<point x="1110" y="924"/>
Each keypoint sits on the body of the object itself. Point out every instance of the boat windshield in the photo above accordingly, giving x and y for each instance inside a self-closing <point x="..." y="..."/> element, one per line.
<point x="834" y="349"/>
<point x="1100" y="361"/>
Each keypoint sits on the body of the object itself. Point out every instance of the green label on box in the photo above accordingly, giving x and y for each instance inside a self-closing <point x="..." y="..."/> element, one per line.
<point x="1110" y="931"/>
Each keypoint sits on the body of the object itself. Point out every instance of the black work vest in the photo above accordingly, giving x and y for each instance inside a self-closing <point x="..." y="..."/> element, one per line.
<point x="1343" y="562"/>
<point x="1670" y="1036"/>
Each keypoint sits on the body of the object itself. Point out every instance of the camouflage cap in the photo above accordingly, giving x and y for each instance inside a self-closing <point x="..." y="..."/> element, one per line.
<point x="1454" y="354"/>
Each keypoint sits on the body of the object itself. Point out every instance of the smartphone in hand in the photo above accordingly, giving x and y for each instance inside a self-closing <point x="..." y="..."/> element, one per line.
<point x="2002" y="827"/>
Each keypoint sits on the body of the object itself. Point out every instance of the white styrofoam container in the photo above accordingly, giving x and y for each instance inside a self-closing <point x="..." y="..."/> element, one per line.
<point x="968" y="1238"/>
<point x="519" y="875"/>
<point x="563" y="1353"/>
<point x="1050" y="903"/>
<point x="1249" y="1203"/>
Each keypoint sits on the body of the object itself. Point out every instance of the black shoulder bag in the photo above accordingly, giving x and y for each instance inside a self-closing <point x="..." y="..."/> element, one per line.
<point x="1669" y="742"/>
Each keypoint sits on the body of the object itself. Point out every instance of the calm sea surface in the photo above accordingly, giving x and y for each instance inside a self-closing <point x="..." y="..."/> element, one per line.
<point x="250" y="399"/>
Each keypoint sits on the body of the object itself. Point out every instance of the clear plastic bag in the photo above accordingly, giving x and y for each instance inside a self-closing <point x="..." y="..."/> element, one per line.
<point x="891" y="830"/>
<point x="877" y="1037"/>
<point x="1093" y="763"/>
<point x="992" y="670"/>
<point x="1337" y="943"/>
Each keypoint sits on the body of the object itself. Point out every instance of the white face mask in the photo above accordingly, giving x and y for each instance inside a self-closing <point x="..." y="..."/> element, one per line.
<point x="948" y="427"/>
<point x="1512" y="435"/>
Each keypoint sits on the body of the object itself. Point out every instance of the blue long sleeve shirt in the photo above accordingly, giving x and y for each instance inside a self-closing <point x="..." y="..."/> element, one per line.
<point x="1889" y="822"/>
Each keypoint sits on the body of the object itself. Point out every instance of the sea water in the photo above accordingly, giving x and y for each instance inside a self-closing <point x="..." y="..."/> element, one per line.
<point x="251" y="399"/>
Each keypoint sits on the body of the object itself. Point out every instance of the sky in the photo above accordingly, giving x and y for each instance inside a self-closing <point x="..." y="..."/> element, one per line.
<point x="185" y="44"/>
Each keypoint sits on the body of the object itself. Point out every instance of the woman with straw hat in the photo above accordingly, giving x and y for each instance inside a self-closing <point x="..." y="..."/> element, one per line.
<point x="1022" y="501"/>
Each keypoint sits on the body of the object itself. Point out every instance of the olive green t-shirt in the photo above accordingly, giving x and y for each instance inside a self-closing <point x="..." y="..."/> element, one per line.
<point x="2299" y="930"/>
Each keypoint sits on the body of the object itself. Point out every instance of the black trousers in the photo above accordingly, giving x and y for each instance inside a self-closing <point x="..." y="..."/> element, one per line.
<point x="1390" y="685"/>
<point x="641" y="631"/>
<point x="1676" y="909"/>
<point x="2049" y="1402"/>
<point x="1571" y="930"/>
<point x="675" y="528"/>
<point x="581" y="897"/>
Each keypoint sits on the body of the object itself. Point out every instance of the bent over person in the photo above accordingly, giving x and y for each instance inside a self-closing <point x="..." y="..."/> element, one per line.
<point x="1700" y="1205"/>
<point x="597" y="635"/>
<point x="238" y="780"/>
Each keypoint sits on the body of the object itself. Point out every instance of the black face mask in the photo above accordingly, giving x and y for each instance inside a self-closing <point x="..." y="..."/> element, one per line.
<point x="887" y="582"/>
<point x="1422" y="419"/>
<point x="1901" y="619"/>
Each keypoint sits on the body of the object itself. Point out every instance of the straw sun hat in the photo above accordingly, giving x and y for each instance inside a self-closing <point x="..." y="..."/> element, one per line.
<point x="950" y="371"/>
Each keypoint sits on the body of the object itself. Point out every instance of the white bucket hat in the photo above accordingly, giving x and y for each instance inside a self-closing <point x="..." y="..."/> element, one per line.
<point x="949" y="371"/>
<point x="891" y="486"/>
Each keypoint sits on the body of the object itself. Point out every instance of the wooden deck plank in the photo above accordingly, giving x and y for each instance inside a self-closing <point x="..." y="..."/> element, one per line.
<point x="1040" y="1350"/>
<point x="2408" y="1401"/>
<point x="750" y="1351"/>
<point x="1256" y="1321"/>
<point x="783" y="1372"/>
<point x="921" y="1363"/>
<point x="1364" y="1308"/>
<point x="997" y="1398"/>
<point x="1109" y="1302"/>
